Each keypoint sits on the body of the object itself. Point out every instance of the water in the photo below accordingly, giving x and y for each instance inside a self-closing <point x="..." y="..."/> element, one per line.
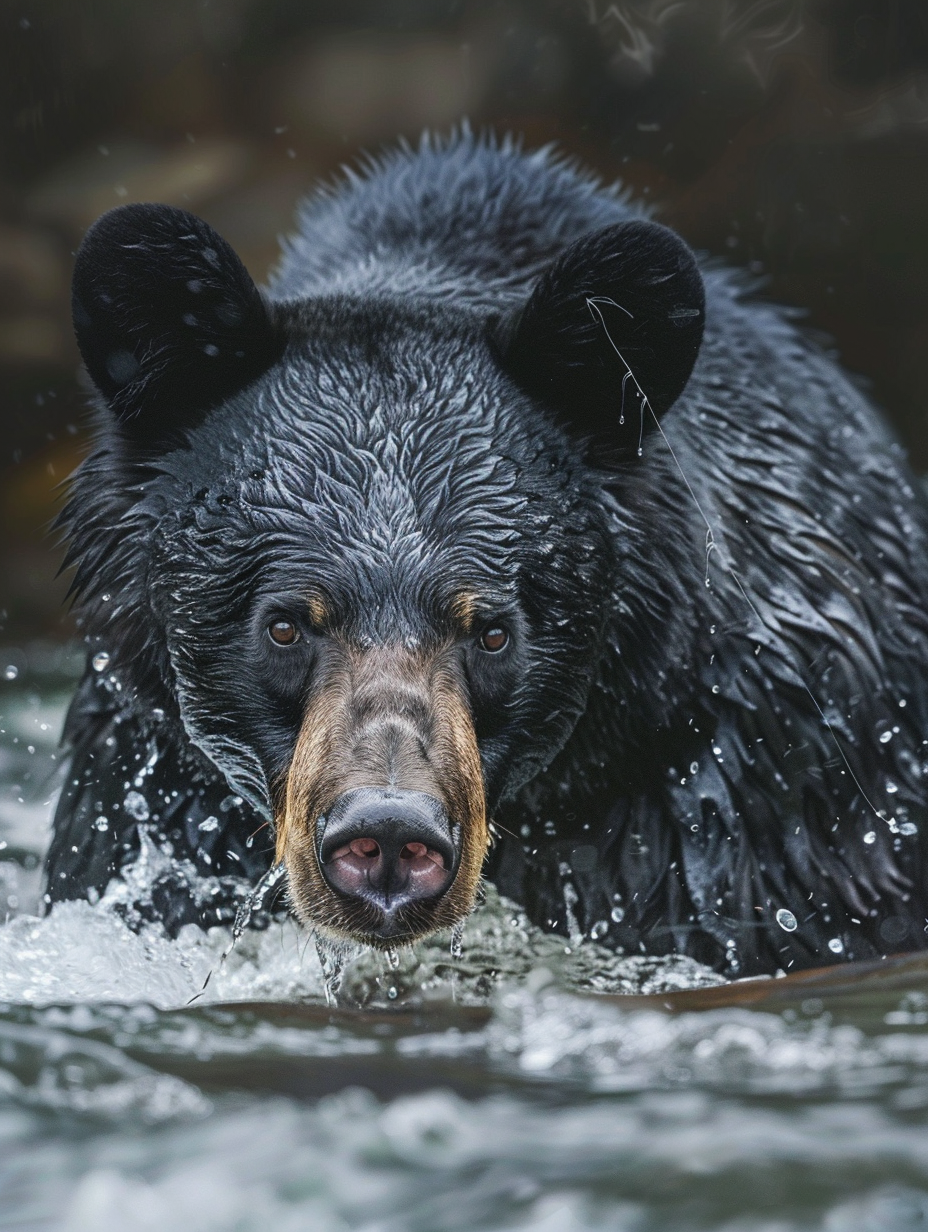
<point x="522" y="1081"/>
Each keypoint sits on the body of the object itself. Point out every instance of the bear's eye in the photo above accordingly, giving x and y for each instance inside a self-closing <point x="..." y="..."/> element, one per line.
<point x="494" y="639"/>
<point x="283" y="632"/>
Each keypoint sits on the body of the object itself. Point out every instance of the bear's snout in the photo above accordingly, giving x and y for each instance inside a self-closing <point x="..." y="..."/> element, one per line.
<point x="387" y="847"/>
<point x="383" y="829"/>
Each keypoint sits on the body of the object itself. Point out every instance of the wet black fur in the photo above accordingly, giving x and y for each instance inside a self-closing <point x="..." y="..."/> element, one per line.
<point x="411" y="422"/>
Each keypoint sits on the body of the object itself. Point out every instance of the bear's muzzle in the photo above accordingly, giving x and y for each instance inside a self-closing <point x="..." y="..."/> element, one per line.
<point x="383" y="828"/>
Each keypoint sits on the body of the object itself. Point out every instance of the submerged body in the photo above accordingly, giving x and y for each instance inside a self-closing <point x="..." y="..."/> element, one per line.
<point x="682" y="667"/>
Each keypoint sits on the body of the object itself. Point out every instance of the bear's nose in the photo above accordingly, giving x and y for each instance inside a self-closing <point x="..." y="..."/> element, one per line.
<point x="387" y="847"/>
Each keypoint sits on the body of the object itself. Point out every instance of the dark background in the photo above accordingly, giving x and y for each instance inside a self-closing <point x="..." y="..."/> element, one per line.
<point x="790" y="136"/>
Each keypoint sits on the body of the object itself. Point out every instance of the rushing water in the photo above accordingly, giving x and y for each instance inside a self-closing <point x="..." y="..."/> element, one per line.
<point x="151" y="1084"/>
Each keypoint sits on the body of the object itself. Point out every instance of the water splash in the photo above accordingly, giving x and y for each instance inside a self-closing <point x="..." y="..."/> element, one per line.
<point x="258" y="898"/>
<point x="332" y="961"/>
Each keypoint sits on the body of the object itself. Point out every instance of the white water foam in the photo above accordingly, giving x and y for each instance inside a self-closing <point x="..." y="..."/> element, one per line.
<point x="81" y="952"/>
<point x="432" y="1163"/>
<point x="548" y="1033"/>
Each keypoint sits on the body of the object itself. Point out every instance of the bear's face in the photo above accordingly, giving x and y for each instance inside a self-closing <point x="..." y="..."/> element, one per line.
<point x="372" y="579"/>
<point x="379" y="571"/>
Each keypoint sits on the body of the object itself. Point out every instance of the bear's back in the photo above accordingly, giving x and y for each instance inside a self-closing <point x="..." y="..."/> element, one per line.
<point x="471" y="218"/>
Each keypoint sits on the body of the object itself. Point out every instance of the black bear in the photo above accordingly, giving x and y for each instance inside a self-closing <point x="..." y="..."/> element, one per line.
<point x="498" y="537"/>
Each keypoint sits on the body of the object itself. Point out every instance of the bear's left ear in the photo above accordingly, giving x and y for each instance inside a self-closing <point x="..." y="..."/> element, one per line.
<point x="168" y="320"/>
<point x="616" y="319"/>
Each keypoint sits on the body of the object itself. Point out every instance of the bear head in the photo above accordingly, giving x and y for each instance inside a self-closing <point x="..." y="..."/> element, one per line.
<point x="360" y="548"/>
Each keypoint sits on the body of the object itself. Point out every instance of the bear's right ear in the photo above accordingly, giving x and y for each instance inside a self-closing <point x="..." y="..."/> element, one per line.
<point x="610" y="333"/>
<point x="168" y="320"/>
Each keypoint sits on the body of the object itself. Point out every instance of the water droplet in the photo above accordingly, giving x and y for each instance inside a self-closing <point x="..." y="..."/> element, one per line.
<point x="716" y="749"/>
<point x="457" y="940"/>
<point x="599" y="929"/>
<point x="136" y="806"/>
<point x="694" y="767"/>
<point x="786" y="920"/>
<point x="101" y="824"/>
<point x="908" y="827"/>
<point x="10" y="672"/>
<point x="393" y="959"/>
<point x="870" y="836"/>
<point x="617" y="914"/>
<point x="100" y="661"/>
<point x="836" y="945"/>
<point x="885" y="737"/>
<point x="891" y="787"/>
<point x="209" y="823"/>
<point x="391" y="992"/>
<point x="716" y="689"/>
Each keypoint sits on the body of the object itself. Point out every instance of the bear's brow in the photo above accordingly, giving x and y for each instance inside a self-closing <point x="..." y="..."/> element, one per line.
<point x="464" y="609"/>
<point x="318" y="612"/>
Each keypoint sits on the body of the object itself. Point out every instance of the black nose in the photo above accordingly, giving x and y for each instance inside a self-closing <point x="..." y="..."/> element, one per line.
<point x="387" y="847"/>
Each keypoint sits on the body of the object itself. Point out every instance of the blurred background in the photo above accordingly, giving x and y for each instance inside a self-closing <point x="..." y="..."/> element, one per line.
<point x="788" y="136"/>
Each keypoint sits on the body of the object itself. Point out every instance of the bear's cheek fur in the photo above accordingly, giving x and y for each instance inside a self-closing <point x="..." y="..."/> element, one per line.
<point x="382" y="718"/>
<point x="520" y="736"/>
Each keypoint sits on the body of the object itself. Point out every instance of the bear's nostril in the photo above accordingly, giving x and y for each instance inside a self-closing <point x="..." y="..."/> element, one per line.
<point x="366" y="847"/>
<point x="419" y="851"/>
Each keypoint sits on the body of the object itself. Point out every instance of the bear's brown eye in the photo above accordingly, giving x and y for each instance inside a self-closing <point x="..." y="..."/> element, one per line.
<point x="494" y="639"/>
<point x="283" y="632"/>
